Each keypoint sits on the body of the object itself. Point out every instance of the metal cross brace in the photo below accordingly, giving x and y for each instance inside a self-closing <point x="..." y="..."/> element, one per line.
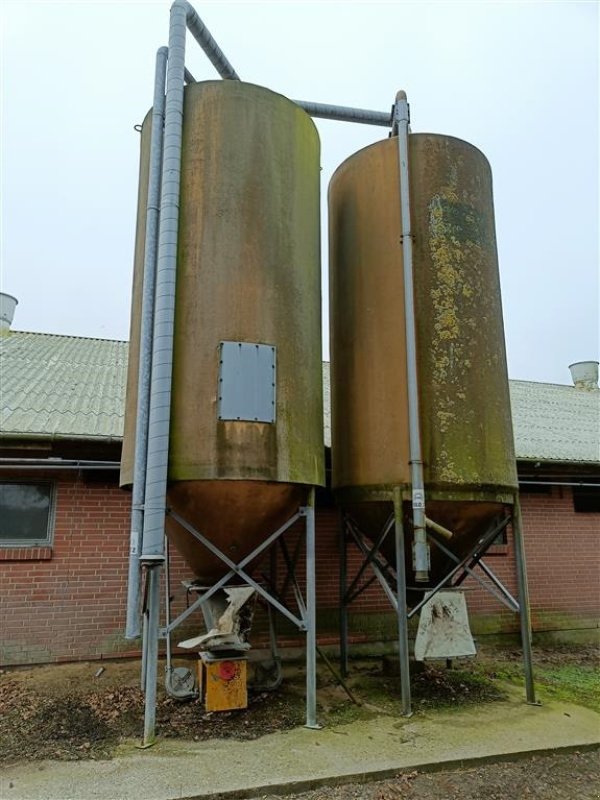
<point x="290" y="562"/>
<point x="371" y="559"/>
<point x="475" y="553"/>
<point x="379" y="568"/>
<point x="238" y="570"/>
<point x="504" y="596"/>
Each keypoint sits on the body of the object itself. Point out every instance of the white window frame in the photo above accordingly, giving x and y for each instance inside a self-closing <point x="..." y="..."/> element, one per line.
<point x="49" y="538"/>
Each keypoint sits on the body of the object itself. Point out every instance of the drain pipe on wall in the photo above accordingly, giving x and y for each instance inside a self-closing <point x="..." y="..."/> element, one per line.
<point x="420" y="545"/>
<point x="132" y="628"/>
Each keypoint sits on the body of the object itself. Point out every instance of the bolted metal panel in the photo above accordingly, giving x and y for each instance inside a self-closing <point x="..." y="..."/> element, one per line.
<point x="247" y="382"/>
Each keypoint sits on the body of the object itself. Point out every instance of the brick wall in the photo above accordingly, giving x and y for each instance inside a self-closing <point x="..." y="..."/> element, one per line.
<point x="68" y="602"/>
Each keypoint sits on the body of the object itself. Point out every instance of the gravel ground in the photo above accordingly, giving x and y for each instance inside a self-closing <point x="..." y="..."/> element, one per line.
<point x="573" y="776"/>
<point x="84" y="710"/>
<point x="63" y="712"/>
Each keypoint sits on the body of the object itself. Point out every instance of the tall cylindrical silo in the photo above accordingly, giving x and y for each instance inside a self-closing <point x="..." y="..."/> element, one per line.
<point x="246" y="434"/>
<point x="465" y="420"/>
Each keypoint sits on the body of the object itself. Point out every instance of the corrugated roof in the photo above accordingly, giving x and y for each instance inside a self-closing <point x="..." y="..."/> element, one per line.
<point x="61" y="386"/>
<point x="555" y="423"/>
<point x="71" y="387"/>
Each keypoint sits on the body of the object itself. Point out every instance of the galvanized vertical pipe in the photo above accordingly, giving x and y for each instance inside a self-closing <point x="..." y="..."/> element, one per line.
<point x="152" y="658"/>
<point x="420" y="546"/>
<point x="401" y="608"/>
<point x="311" y="616"/>
<point x="162" y="354"/>
<point x="524" y="610"/>
<point x="164" y="307"/>
<point x="343" y="602"/>
<point x="132" y="628"/>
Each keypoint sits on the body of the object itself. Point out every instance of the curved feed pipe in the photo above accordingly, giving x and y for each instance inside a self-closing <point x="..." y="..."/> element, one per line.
<point x="420" y="545"/>
<point x="132" y="627"/>
<point x="202" y="35"/>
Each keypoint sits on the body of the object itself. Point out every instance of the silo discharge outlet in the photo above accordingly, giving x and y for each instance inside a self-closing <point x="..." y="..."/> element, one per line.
<point x="222" y="664"/>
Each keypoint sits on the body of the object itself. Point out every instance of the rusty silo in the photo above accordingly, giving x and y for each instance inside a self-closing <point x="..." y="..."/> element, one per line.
<point x="247" y="298"/>
<point x="223" y="436"/>
<point x="223" y="441"/>
<point x="466" y="430"/>
<point x="447" y="476"/>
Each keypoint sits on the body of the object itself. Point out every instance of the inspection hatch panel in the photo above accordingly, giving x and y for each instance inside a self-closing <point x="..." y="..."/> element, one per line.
<point x="247" y="382"/>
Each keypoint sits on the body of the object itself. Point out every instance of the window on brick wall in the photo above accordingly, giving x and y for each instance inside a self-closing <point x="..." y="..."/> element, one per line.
<point x="26" y="514"/>
<point x="586" y="498"/>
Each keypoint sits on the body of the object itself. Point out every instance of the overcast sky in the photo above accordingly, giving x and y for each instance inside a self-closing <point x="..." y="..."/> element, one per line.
<point x="519" y="80"/>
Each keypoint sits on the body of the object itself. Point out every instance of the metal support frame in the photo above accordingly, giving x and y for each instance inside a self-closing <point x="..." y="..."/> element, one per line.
<point x="305" y="620"/>
<point x="394" y="586"/>
<point x="472" y="558"/>
<point x="401" y="609"/>
<point x="151" y="656"/>
<point x="525" y="613"/>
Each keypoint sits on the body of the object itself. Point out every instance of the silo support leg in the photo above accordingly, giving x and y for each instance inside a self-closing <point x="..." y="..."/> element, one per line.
<point x="152" y="655"/>
<point x="311" y="617"/>
<point x="401" y="608"/>
<point x="144" y="651"/>
<point x="343" y="600"/>
<point x="524" y="611"/>
<point x="144" y="635"/>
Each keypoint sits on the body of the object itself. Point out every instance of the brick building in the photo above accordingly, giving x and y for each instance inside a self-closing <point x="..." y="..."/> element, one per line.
<point x="64" y="522"/>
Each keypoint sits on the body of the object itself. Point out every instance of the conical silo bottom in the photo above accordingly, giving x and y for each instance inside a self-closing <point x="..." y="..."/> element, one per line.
<point x="236" y="516"/>
<point x="468" y="520"/>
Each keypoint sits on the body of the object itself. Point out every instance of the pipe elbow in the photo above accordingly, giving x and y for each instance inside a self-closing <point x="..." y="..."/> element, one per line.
<point x="183" y="5"/>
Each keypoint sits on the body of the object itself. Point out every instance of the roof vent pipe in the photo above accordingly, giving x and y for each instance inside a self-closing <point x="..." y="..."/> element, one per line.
<point x="585" y="374"/>
<point x="8" y="303"/>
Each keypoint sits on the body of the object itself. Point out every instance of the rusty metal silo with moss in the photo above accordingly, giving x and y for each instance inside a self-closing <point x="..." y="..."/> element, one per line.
<point x="465" y="420"/>
<point x="248" y="284"/>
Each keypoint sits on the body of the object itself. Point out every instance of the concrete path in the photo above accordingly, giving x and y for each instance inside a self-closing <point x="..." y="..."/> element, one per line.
<point x="300" y="759"/>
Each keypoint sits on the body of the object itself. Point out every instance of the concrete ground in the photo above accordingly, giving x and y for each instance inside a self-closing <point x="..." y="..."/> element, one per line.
<point x="300" y="759"/>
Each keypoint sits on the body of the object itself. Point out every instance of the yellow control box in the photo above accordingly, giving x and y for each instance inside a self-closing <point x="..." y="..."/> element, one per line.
<point x="222" y="683"/>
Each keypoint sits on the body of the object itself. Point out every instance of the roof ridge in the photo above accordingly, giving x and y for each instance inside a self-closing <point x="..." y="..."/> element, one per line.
<point x="545" y="383"/>
<point x="66" y="336"/>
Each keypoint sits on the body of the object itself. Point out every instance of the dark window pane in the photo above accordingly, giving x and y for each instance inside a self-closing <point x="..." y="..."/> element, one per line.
<point x="25" y="512"/>
<point x="534" y="488"/>
<point x="586" y="499"/>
